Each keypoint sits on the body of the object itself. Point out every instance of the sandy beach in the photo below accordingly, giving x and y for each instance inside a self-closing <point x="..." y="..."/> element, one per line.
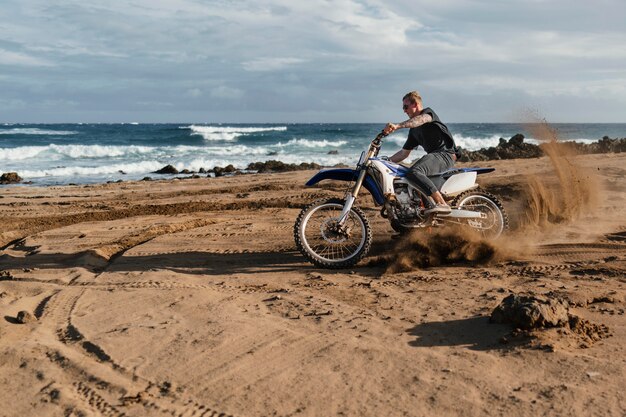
<point x="188" y="298"/>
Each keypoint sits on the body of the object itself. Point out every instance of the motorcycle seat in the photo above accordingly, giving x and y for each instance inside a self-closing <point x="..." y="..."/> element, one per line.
<point x="446" y="174"/>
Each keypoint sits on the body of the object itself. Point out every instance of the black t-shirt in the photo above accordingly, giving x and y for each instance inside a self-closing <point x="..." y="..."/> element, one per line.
<point x="432" y="136"/>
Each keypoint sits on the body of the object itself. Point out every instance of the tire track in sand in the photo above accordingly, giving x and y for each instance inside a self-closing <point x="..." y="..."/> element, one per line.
<point x="94" y="371"/>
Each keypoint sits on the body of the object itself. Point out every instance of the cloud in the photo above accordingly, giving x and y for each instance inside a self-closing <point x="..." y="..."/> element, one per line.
<point x="21" y="59"/>
<point x="291" y="60"/>
<point x="270" y="64"/>
<point x="12" y="104"/>
<point x="225" y="92"/>
<point x="194" y="92"/>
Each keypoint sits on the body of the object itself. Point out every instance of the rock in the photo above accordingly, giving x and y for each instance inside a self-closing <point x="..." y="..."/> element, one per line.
<point x="25" y="317"/>
<point x="202" y="171"/>
<point x="185" y="171"/>
<point x="10" y="178"/>
<point x="531" y="312"/>
<point x="333" y="152"/>
<point x="515" y="148"/>
<point x="278" y="166"/>
<point x="604" y="145"/>
<point x="517" y="140"/>
<point x="228" y="169"/>
<point x="512" y="149"/>
<point x="147" y="179"/>
<point x="168" y="169"/>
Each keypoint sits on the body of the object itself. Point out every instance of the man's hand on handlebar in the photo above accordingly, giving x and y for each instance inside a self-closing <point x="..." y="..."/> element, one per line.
<point x="390" y="128"/>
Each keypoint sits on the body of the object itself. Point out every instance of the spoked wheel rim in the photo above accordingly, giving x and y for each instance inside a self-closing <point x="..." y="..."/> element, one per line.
<point x="492" y="224"/>
<point x="325" y="239"/>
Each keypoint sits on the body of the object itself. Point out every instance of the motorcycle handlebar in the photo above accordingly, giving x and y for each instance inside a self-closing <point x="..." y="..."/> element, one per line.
<point x="379" y="137"/>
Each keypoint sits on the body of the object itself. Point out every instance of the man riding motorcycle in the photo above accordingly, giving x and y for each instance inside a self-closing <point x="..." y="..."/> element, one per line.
<point x="427" y="130"/>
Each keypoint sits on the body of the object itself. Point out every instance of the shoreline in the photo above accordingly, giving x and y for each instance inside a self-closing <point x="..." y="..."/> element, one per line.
<point x="513" y="148"/>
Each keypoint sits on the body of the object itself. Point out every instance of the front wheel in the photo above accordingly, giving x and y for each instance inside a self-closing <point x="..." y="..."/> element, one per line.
<point x="494" y="221"/>
<point x="327" y="244"/>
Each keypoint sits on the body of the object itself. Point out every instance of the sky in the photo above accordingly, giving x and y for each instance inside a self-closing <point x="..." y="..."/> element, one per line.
<point x="275" y="61"/>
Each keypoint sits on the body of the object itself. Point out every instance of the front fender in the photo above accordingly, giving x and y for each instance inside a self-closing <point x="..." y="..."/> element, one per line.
<point x="346" y="174"/>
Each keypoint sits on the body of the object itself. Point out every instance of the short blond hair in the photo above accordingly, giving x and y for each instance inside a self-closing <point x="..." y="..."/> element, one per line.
<point x="414" y="97"/>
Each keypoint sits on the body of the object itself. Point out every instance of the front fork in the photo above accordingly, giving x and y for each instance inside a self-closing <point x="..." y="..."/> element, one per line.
<point x="351" y="197"/>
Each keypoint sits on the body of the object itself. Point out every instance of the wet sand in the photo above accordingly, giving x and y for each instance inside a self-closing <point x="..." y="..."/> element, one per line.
<point x="187" y="297"/>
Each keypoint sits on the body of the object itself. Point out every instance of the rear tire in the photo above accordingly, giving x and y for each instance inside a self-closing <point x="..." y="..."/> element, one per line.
<point x="320" y="240"/>
<point x="496" y="221"/>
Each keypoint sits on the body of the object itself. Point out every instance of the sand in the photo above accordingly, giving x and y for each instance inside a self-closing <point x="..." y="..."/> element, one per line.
<point x="188" y="298"/>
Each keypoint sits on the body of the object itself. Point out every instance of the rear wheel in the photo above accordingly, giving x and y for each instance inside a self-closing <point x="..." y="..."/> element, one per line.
<point x="327" y="244"/>
<point x="494" y="221"/>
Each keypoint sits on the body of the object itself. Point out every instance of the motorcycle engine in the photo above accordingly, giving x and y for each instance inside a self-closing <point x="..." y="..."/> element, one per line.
<point x="406" y="207"/>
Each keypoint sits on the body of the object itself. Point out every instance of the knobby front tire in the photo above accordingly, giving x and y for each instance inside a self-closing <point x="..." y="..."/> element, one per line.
<point x="323" y="243"/>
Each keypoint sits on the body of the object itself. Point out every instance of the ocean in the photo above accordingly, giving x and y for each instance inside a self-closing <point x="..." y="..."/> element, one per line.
<point x="55" y="154"/>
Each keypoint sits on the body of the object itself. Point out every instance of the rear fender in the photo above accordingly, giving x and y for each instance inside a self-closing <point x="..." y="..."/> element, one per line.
<point x="459" y="182"/>
<point x="478" y="171"/>
<point x="349" y="175"/>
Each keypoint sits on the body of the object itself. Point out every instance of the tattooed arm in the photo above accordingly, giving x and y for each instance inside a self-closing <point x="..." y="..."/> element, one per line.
<point x="415" y="121"/>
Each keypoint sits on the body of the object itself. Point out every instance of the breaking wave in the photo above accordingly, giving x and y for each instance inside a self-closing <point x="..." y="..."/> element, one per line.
<point x="35" y="131"/>
<point x="53" y="151"/>
<point x="229" y="133"/>
<point x="312" y="143"/>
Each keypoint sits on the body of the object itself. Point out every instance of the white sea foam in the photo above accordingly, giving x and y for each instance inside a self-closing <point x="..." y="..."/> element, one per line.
<point x="35" y="131"/>
<point x="474" y="143"/>
<point x="229" y="133"/>
<point x="80" y="171"/>
<point x="21" y="153"/>
<point x="312" y="143"/>
<point x="54" y="151"/>
<point x="397" y="138"/>
<point x="231" y="150"/>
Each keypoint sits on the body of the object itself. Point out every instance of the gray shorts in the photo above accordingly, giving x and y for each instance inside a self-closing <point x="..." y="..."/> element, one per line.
<point x="429" y="164"/>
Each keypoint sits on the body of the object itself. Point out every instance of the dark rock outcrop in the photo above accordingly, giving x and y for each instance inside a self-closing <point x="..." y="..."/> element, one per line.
<point x="604" y="145"/>
<point x="516" y="148"/>
<point x="219" y="171"/>
<point x="10" y="178"/>
<point x="168" y="169"/>
<point x="278" y="166"/>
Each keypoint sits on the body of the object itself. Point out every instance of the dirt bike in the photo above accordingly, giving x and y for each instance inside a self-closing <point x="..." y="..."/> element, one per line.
<point x="335" y="233"/>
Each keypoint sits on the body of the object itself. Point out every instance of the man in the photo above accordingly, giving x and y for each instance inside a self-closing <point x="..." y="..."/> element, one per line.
<point x="426" y="130"/>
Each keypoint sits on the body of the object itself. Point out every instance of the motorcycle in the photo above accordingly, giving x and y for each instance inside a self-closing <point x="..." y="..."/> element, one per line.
<point x="335" y="233"/>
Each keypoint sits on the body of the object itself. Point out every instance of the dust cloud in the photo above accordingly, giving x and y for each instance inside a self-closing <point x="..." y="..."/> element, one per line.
<point x="424" y="248"/>
<point x="566" y="191"/>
